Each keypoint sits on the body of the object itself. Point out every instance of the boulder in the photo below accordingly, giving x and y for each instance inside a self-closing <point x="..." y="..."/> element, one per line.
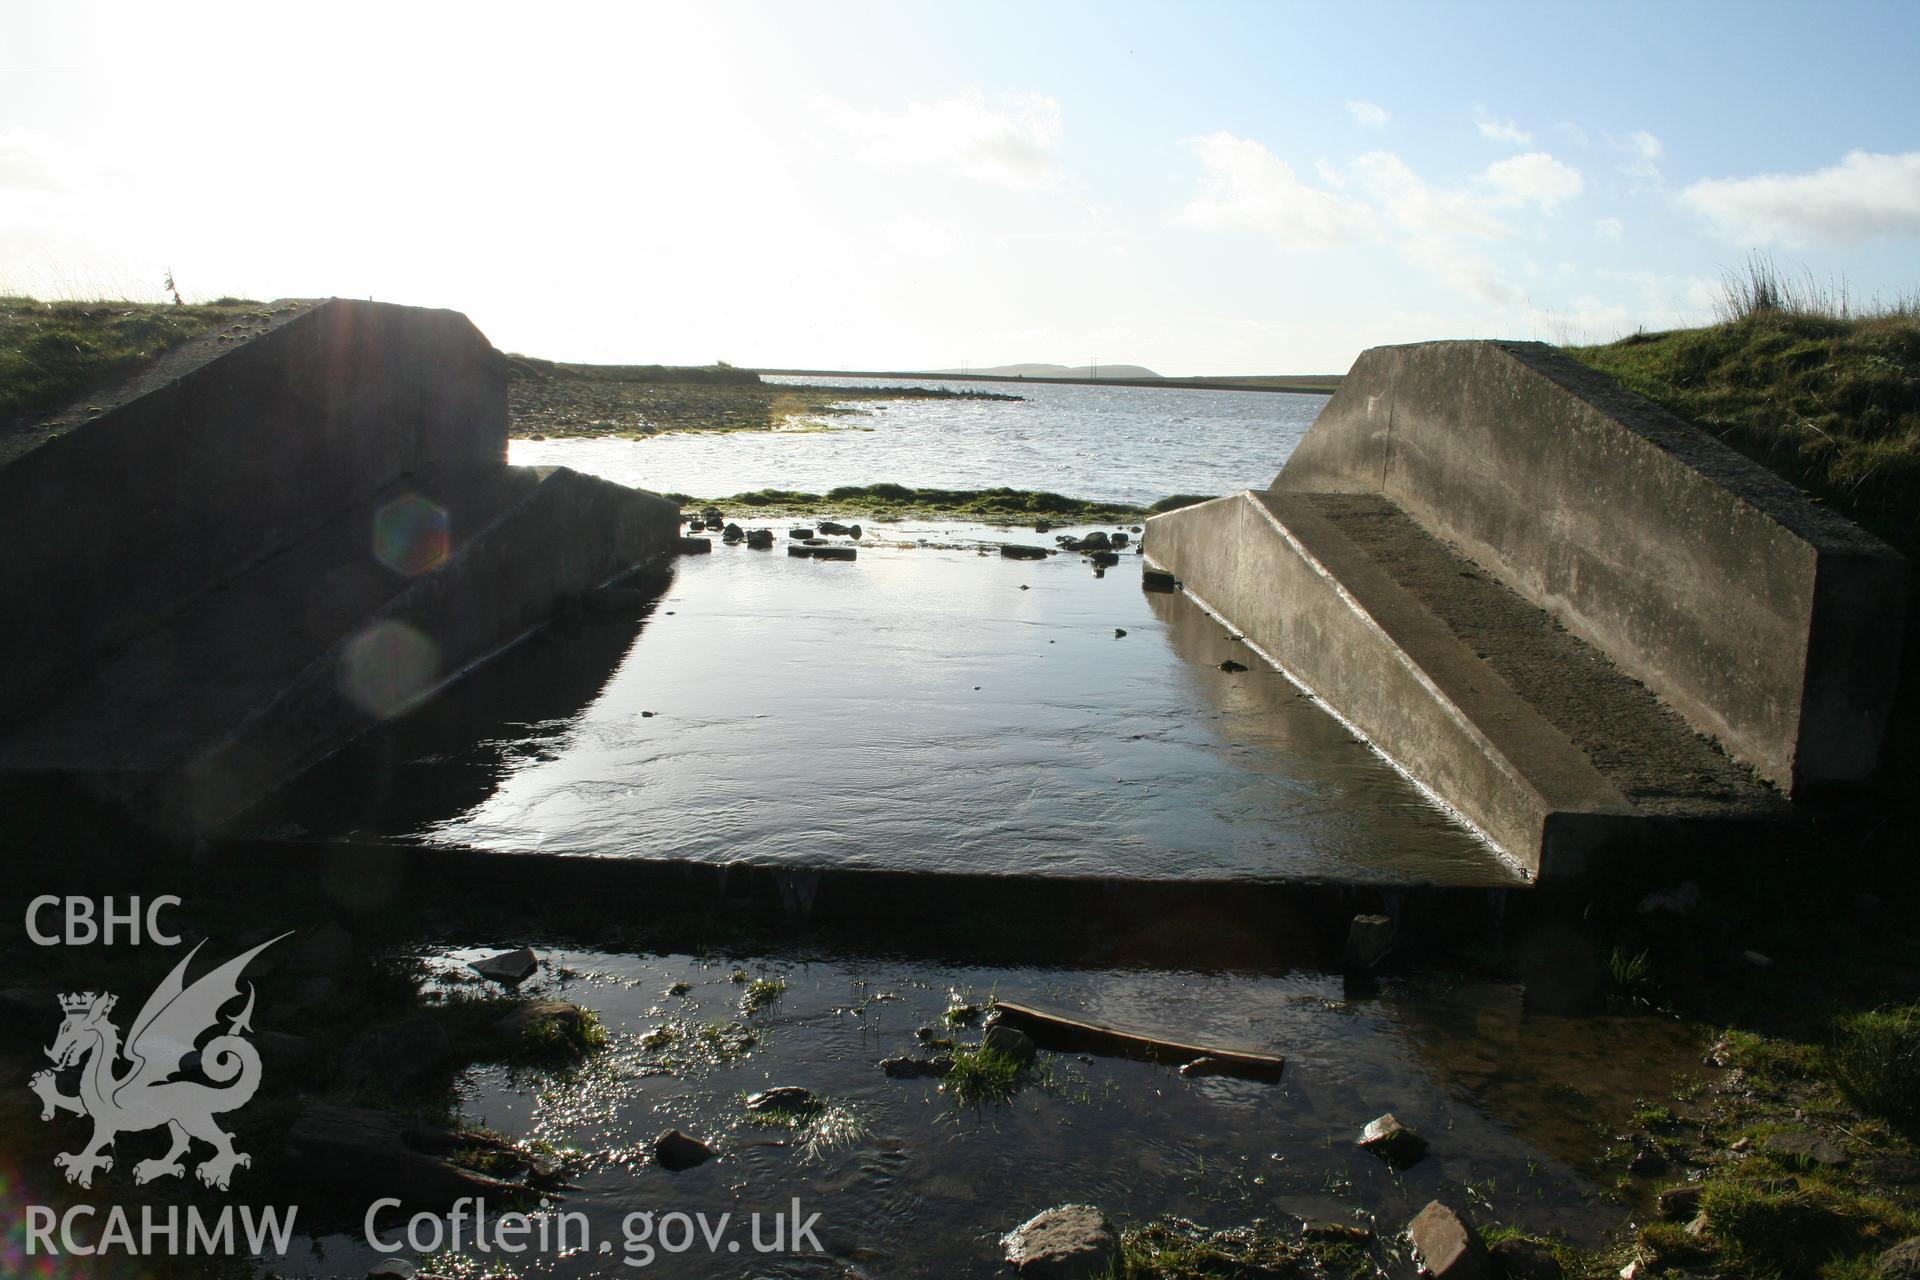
<point x="1678" y="1204"/>
<point x="1012" y="1042"/>
<point x="509" y="967"/>
<point x="1069" y="1242"/>
<point x="1103" y="559"/>
<point x="1902" y="1262"/>
<point x="535" y="1014"/>
<point x="1448" y="1246"/>
<point x="404" y="1054"/>
<point x="732" y="533"/>
<point x="1801" y="1147"/>
<point x="760" y="539"/>
<point x="1158" y="580"/>
<point x="1119" y="540"/>
<point x="695" y="546"/>
<point x="676" y="1151"/>
<point x="831" y="527"/>
<point x="836" y="553"/>
<point x="785" y="1097"/>
<point x="711" y="515"/>
<point x="1016" y="551"/>
<point x="800" y="533"/>
<point x="1392" y="1141"/>
<point x="1230" y="666"/>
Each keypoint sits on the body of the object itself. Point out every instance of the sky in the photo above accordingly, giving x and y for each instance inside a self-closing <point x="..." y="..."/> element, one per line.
<point x="1199" y="188"/>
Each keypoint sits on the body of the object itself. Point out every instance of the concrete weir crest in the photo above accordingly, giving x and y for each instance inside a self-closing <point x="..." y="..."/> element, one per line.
<point x="1582" y="623"/>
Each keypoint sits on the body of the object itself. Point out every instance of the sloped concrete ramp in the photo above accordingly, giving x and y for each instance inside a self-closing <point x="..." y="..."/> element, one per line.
<point x="1578" y="622"/>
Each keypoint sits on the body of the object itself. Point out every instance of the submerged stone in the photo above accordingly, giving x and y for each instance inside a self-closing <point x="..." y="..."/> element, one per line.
<point x="510" y="967"/>
<point x="1392" y="1141"/>
<point x="1012" y="1042"/>
<point x="676" y="1151"/>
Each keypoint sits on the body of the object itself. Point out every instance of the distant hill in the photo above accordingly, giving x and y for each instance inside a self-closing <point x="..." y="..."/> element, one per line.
<point x="1116" y="371"/>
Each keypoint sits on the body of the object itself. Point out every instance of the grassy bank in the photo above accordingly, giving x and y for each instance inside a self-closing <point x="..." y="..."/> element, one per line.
<point x="549" y="400"/>
<point x="1800" y="381"/>
<point x="50" y="352"/>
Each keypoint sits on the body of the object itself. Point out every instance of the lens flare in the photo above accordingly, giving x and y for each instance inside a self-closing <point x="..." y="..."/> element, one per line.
<point x="411" y="535"/>
<point x="388" y="667"/>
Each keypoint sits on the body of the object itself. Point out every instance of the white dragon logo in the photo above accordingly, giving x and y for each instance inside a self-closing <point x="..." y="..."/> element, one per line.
<point x="147" y="1096"/>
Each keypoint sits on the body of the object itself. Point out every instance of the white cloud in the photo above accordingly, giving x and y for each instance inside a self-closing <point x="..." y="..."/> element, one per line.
<point x="923" y="237"/>
<point x="1864" y="196"/>
<point x="1575" y="134"/>
<point x="1420" y="208"/>
<point x="1535" y="178"/>
<point x="1503" y="131"/>
<point x="1609" y="228"/>
<point x="1463" y="269"/>
<point x="1010" y="144"/>
<point x="1246" y="187"/>
<point x="1644" y="152"/>
<point x="1371" y="114"/>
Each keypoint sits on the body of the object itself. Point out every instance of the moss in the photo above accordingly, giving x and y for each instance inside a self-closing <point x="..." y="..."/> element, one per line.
<point x="983" y="1075"/>
<point x="762" y="992"/>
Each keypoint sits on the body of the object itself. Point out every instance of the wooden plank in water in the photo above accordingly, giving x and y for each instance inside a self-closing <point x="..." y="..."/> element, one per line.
<point x="1051" y="1025"/>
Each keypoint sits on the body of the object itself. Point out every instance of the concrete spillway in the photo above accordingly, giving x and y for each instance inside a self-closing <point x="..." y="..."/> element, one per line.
<point x="1578" y="621"/>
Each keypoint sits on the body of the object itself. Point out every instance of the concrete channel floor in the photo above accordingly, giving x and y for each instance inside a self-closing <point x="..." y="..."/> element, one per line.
<point x="1638" y="744"/>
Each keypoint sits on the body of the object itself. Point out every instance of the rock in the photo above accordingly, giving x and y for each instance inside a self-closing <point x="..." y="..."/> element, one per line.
<point x="1369" y="939"/>
<point x="1095" y="541"/>
<point x="1012" y="1042"/>
<point x="1392" y="1141"/>
<point x="1647" y="1163"/>
<point x="510" y="967"/>
<point x="695" y="526"/>
<point x="800" y="549"/>
<point x="1119" y="633"/>
<point x="1015" y="551"/>
<point x="1205" y="1066"/>
<point x="814" y="542"/>
<point x="830" y="527"/>
<point x="836" y="553"/>
<point x="711" y="515"/>
<point x="800" y="533"/>
<point x="695" y="546"/>
<point x="1699" y="1227"/>
<point x="1041" y="526"/>
<point x="1069" y="1242"/>
<point x="1806" y="1148"/>
<point x="1103" y="559"/>
<point x="1677" y="1204"/>
<point x="853" y="531"/>
<point x="1449" y="1247"/>
<point x="534" y="1014"/>
<point x="1757" y="959"/>
<point x="355" y="1148"/>
<point x="676" y="1151"/>
<point x="392" y="1269"/>
<point x="1902" y="1262"/>
<point x="785" y="1097"/>
<point x="1231" y="666"/>
<point x="760" y="539"/>
<point x="1134" y="528"/>
<point x="1119" y="540"/>
<point x="732" y="533"/>
<point x="1516" y="1258"/>
<point x="1158" y="580"/>
<point x="910" y="1068"/>
<point x="328" y="949"/>
<point x="403" y="1054"/>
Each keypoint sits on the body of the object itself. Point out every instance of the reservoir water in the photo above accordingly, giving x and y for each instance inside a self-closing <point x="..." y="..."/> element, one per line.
<point x="930" y="706"/>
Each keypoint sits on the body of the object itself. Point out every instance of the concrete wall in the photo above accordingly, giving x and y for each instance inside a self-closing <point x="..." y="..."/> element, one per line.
<point x="1335" y="622"/>
<point x="568" y="533"/>
<point x="1769" y="622"/>
<point x="110" y="524"/>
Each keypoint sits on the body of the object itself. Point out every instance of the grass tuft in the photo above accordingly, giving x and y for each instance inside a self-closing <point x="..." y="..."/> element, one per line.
<point x="1876" y="1060"/>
